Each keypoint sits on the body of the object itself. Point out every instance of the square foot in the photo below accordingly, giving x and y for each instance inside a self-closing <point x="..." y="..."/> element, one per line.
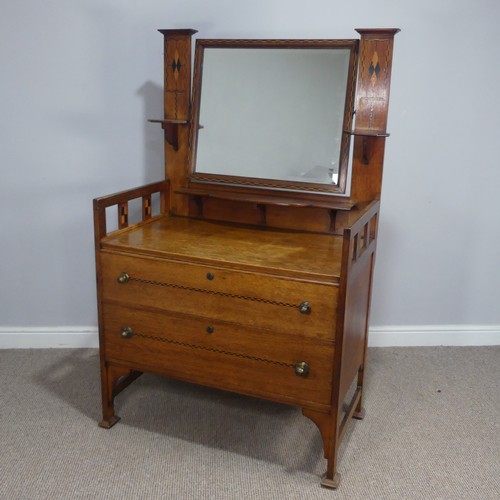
<point x="359" y="415"/>
<point x="107" y="424"/>
<point x="331" y="483"/>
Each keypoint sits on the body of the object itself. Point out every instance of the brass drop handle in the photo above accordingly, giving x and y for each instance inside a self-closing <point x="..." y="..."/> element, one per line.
<point x="305" y="308"/>
<point x="127" y="332"/>
<point x="123" y="278"/>
<point x="301" y="369"/>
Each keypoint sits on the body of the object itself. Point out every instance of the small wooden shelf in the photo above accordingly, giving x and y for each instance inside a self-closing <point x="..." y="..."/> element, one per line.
<point x="368" y="136"/>
<point x="336" y="204"/>
<point x="367" y="133"/>
<point x="164" y="122"/>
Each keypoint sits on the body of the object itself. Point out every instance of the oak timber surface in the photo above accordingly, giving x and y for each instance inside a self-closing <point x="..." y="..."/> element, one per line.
<point x="306" y="255"/>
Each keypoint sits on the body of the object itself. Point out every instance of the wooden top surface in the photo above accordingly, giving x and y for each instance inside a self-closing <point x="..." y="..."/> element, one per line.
<point x="272" y="251"/>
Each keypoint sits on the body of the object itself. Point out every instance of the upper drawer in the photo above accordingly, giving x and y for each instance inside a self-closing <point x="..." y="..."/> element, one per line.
<point x="247" y="298"/>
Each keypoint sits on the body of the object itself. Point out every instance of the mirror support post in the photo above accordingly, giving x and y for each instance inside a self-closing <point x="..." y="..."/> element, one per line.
<point x="374" y="79"/>
<point x="177" y="110"/>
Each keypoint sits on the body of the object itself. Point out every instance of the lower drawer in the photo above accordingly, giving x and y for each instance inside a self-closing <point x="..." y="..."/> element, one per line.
<point x="224" y="355"/>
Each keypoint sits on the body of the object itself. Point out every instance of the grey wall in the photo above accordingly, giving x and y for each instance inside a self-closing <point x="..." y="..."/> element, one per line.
<point x="79" y="80"/>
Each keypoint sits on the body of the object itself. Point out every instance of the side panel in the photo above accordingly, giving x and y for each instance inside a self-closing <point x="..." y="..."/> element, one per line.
<point x="356" y="323"/>
<point x="358" y="257"/>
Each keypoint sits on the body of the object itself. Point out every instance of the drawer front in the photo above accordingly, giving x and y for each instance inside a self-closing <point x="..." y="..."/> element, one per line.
<point x="252" y="299"/>
<point x="219" y="354"/>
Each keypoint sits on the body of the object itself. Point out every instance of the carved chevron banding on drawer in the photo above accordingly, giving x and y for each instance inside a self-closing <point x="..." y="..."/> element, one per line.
<point x="215" y="292"/>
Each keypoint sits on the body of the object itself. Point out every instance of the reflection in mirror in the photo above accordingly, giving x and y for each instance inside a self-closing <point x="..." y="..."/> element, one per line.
<point x="272" y="113"/>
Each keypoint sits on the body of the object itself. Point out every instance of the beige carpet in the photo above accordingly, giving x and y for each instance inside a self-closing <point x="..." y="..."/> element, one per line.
<point x="432" y="431"/>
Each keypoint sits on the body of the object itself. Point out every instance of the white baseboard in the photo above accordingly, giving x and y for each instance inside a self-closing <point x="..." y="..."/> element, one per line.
<point x="48" y="337"/>
<point x="434" y="335"/>
<point x="380" y="336"/>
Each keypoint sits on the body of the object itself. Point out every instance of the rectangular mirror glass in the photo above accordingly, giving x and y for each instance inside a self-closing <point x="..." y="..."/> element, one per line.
<point x="273" y="116"/>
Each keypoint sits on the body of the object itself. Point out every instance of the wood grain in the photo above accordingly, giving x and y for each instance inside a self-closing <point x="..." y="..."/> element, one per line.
<point x="279" y="252"/>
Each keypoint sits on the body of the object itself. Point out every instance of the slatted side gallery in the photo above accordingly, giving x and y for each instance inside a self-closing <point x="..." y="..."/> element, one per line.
<point x="145" y="195"/>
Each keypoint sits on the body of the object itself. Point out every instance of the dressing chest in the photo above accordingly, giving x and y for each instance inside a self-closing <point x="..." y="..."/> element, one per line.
<point x="243" y="273"/>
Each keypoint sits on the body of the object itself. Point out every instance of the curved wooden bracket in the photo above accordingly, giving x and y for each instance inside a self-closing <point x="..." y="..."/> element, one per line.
<point x="324" y="422"/>
<point x="171" y="129"/>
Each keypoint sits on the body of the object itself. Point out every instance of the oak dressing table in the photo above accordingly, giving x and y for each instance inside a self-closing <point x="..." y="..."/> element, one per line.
<point x="253" y="271"/>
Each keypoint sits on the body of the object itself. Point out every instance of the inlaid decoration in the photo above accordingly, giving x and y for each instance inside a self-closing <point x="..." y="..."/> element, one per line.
<point x="177" y="75"/>
<point x="372" y="95"/>
<point x="374" y="69"/>
<point x="176" y="65"/>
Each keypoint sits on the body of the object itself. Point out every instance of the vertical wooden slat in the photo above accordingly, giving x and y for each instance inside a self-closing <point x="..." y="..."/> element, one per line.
<point x="365" y="236"/>
<point x="146" y="207"/>
<point x="99" y="223"/>
<point x="355" y="247"/>
<point x="164" y="201"/>
<point x="123" y="214"/>
<point x="373" y="227"/>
